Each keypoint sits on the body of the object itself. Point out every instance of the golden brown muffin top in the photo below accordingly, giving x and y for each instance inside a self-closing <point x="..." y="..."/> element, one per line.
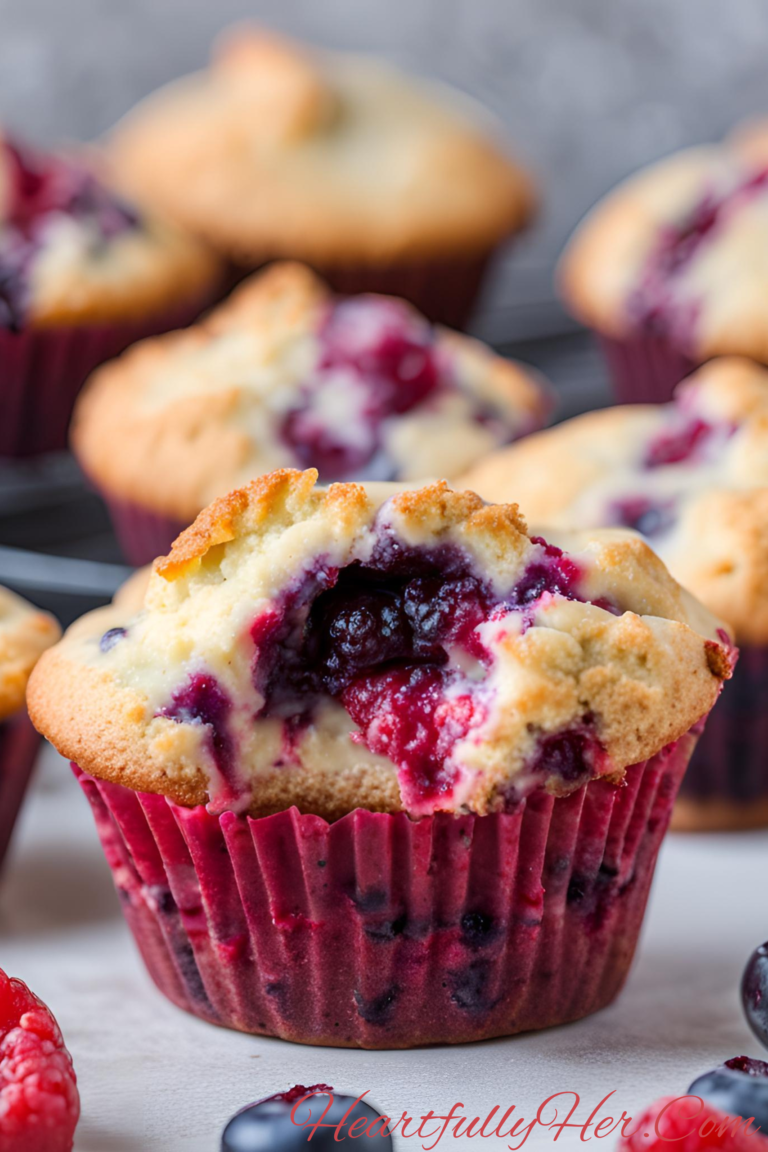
<point x="277" y="149"/>
<point x="25" y="633"/>
<point x="283" y="374"/>
<point x="384" y="649"/>
<point x="692" y="476"/>
<point x="681" y="250"/>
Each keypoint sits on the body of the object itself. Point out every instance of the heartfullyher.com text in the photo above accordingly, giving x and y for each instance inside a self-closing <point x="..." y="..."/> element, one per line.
<point x="561" y="1113"/>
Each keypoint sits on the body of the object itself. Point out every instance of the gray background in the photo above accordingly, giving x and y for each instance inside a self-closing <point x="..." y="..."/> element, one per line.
<point x="589" y="89"/>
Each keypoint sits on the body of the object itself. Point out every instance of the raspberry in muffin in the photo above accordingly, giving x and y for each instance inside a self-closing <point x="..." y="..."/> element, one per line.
<point x="379" y="768"/>
<point x="25" y="633"/>
<point x="671" y="268"/>
<point x="381" y="182"/>
<point x="285" y="374"/>
<point x="82" y="274"/>
<point x="692" y="477"/>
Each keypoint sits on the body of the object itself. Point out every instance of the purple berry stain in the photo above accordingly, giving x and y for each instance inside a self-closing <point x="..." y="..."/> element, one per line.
<point x="386" y="357"/>
<point x="203" y="701"/>
<point x="680" y="445"/>
<point x="654" y="305"/>
<point x="649" y="517"/>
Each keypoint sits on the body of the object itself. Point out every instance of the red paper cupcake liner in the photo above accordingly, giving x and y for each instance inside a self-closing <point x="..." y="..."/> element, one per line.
<point x="18" y="749"/>
<point x="142" y="534"/>
<point x="645" y="369"/>
<point x="445" y="291"/>
<point x="381" y="932"/>
<point x="730" y="764"/>
<point x="43" y="369"/>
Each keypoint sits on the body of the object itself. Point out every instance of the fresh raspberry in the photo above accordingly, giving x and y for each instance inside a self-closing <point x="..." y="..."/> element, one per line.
<point x="39" y="1102"/>
<point x="688" y="1124"/>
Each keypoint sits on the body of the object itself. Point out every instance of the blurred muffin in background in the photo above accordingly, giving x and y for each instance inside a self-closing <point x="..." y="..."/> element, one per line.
<point x="25" y="633"/>
<point x="692" y="477"/>
<point x="381" y="182"/>
<point x="82" y="275"/>
<point x="671" y="268"/>
<point x="285" y="374"/>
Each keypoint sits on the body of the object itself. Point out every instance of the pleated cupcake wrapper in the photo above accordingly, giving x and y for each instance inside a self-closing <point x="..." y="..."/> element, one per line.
<point x="18" y="749"/>
<point x="731" y="760"/>
<point x="43" y="369"/>
<point x="141" y="533"/>
<point x="445" y="291"/>
<point x="645" y="369"/>
<point x="381" y="932"/>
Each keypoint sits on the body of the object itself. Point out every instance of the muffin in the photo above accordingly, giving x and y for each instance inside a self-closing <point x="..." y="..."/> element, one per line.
<point x="82" y="275"/>
<point x="692" y="477"/>
<point x="377" y="768"/>
<point x="25" y="633"/>
<point x="284" y="374"/>
<point x="381" y="182"/>
<point x="671" y="268"/>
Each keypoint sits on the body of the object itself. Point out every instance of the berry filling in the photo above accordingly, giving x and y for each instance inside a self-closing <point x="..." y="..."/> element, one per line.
<point x="653" y="304"/>
<point x="688" y="441"/>
<point x="111" y="637"/>
<point x="649" y="517"/>
<point x="39" y="1102"/>
<point x="398" y="642"/>
<point x="377" y="360"/>
<point x="203" y="701"/>
<point x="42" y="187"/>
<point x="679" y="445"/>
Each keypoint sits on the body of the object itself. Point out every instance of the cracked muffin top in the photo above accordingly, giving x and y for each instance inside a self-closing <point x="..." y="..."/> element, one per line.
<point x="280" y="150"/>
<point x="72" y="251"/>
<point x="680" y="250"/>
<point x="25" y="633"/>
<point x="383" y="649"/>
<point x="691" y="476"/>
<point x="284" y="374"/>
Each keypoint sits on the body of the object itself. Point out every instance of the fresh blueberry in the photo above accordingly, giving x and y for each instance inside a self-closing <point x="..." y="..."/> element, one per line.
<point x="281" y="1124"/>
<point x="738" y="1087"/>
<point x="754" y="993"/>
<point x="110" y="638"/>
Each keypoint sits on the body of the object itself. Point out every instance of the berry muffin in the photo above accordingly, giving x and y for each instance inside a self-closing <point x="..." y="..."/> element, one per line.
<point x="377" y="768"/>
<point x="671" y="268"/>
<point x="381" y="182"/>
<point x="283" y="374"/>
<point x="692" y="477"/>
<point x="82" y="275"/>
<point x="25" y="633"/>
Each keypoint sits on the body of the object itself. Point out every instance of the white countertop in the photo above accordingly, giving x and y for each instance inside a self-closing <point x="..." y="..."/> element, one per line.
<point x="153" y="1079"/>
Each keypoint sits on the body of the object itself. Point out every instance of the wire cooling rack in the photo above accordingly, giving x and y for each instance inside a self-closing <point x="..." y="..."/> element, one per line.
<point x="56" y="544"/>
